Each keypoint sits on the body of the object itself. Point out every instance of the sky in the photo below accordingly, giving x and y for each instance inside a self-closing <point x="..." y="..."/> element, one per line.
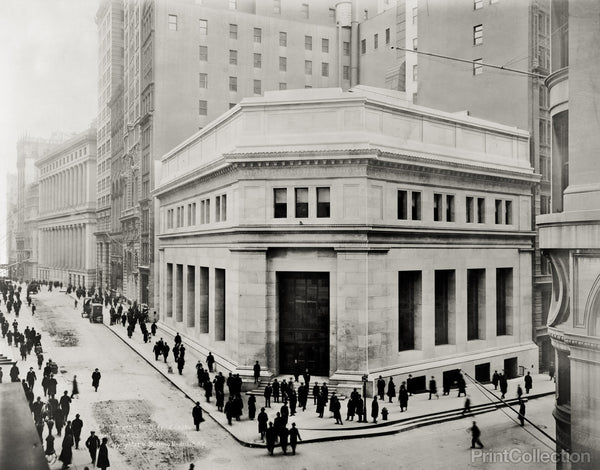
<point x="48" y="69"/>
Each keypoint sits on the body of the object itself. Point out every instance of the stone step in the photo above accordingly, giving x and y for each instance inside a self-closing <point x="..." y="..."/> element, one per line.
<point x="260" y="390"/>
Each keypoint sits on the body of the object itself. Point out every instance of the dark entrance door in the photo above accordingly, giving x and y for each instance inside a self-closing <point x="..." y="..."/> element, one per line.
<point x="304" y="322"/>
<point x="450" y="378"/>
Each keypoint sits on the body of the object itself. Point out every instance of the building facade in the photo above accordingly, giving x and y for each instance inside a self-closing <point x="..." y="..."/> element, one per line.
<point x="464" y="36"/>
<point x="569" y="236"/>
<point x="67" y="211"/>
<point x="353" y="232"/>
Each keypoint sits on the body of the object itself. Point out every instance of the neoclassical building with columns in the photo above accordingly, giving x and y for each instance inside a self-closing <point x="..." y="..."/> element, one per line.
<point x="67" y="217"/>
<point x="354" y="232"/>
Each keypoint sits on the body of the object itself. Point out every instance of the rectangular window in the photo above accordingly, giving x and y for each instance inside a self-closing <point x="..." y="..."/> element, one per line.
<point x="308" y="67"/>
<point x="280" y="203"/>
<point x="325" y="45"/>
<point x="169" y="290"/>
<point x="444" y="305"/>
<point x="203" y="53"/>
<point x="233" y="4"/>
<point x="478" y="35"/>
<point x="416" y="205"/>
<point x="544" y="204"/>
<point x="173" y="22"/>
<point x="283" y="64"/>
<point x="257" y="87"/>
<point x="449" y="208"/>
<point x="504" y="288"/>
<point x="325" y="69"/>
<point x="207" y="214"/>
<point x="304" y="10"/>
<point x="232" y="83"/>
<point x="402" y="205"/>
<point x="469" y="209"/>
<point x="323" y="202"/>
<point x="224" y="207"/>
<point x="415" y="43"/>
<point x="257" y="61"/>
<point x="282" y="86"/>
<point x="203" y="27"/>
<point x="437" y="207"/>
<point x="277" y="7"/>
<point x="332" y="15"/>
<point x="233" y="57"/>
<point x="308" y="43"/>
<point x="508" y="212"/>
<point x="217" y="208"/>
<point x="477" y="4"/>
<point x="203" y="80"/>
<point x="477" y="66"/>
<point x="409" y="308"/>
<point x="191" y="297"/>
<point x="415" y="15"/>
<point x="220" y="303"/>
<point x="475" y="304"/>
<point x="375" y="41"/>
<point x="346" y="46"/>
<point x="498" y="211"/>
<point x="204" y="288"/>
<point x="363" y="46"/>
<point x="179" y="292"/>
<point x="415" y="72"/>
<point x="301" y="203"/>
<point x="346" y="72"/>
<point x="202" y="108"/>
<point x="480" y="210"/>
<point x="257" y="35"/>
<point x="387" y="35"/>
<point x="283" y="39"/>
<point x="233" y="30"/>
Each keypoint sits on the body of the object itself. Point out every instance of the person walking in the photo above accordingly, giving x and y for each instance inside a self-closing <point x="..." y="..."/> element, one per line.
<point x="65" y="405"/>
<point x="262" y="419"/>
<point x="522" y="412"/>
<point x="256" y="372"/>
<point x="153" y="328"/>
<point x="96" y="379"/>
<point x="229" y="410"/>
<point x="197" y="415"/>
<point x="76" y="427"/>
<point x="251" y="407"/>
<point x="528" y="382"/>
<point x="462" y="385"/>
<point x="294" y="438"/>
<point x="14" y="373"/>
<point x="165" y="351"/>
<point x="409" y="385"/>
<point x="92" y="443"/>
<point x="433" y="388"/>
<point x="66" y="455"/>
<point x="403" y="397"/>
<point x="180" y="364"/>
<point x="75" y="388"/>
<point x="157" y="349"/>
<point x="284" y="435"/>
<point x="519" y="391"/>
<point x="31" y="378"/>
<point x="503" y="384"/>
<point x="475" y="434"/>
<point x="210" y="360"/>
<point x="381" y="387"/>
<point x="495" y="379"/>
<point x="271" y="436"/>
<point x="103" y="462"/>
<point x="50" y="446"/>
<point x="467" y="406"/>
<point x="375" y="409"/>
<point x="267" y="395"/>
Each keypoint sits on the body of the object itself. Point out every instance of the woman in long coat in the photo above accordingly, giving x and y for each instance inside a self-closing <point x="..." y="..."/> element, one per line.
<point x="374" y="409"/>
<point x="391" y="392"/>
<point x="66" y="456"/>
<point x="102" y="461"/>
<point x="403" y="397"/>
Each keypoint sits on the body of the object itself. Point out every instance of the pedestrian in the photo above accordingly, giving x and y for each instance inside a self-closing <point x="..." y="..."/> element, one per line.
<point x="271" y="436"/>
<point x="462" y="385"/>
<point x="275" y="388"/>
<point x="256" y="372"/>
<point x="251" y="407"/>
<point x="519" y="391"/>
<point x="283" y="438"/>
<point x="381" y="387"/>
<point x="96" y="379"/>
<point x="14" y="373"/>
<point x="433" y="388"/>
<point x="267" y="395"/>
<point x="66" y="455"/>
<point x="180" y="364"/>
<point x="375" y="409"/>
<point x="50" y="424"/>
<point x="522" y="412"/>
<point x="229" y="410"/>
<point x="403" y="397"/>
<point x="391" y="392"/>
<point x="157" y="350"/>
<point x="294" y="438"/>
<point x="49" y="445"/>
<point x="475" y="434"/>
<point x="153" y="328"/>
<point x="210" y="360"/>
<point x="495" y="379"/>
<point x="76" y="427"/>
<point x="31" y="378"/>
<point x="503" y="381"/>
<point x="197" y="415"/>
<point x="51" y="386"/>
<point x="92" y="443"/>
<point x="165" y="351"/>
<point x="467" y="406"/>
<point x="177" y="339"/>
<point x="208" y="390"/>
<point x="409" y="385"/>
<point x="360" y="408"/>
<point x="65" y="405"/>
<point x="528" y="382"/>
<point x="37" y="409"/>
<point x="351" y="408"/>
<point x="103" y="461"/>
<point x="33" y="308"/>
<point x="315" y="391"/>
<point x="75" y="388"/>
<point x="550" y="370"/>
<point x="262" y="419"/>
<point x="306" y="377"/>
<point x="40" y="360"/>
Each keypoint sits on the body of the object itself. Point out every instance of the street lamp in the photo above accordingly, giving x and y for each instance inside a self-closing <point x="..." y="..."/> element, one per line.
<point x="365" y="379"/>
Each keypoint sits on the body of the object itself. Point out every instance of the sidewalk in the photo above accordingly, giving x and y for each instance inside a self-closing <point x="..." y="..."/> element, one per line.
<point x="421" y="411"/>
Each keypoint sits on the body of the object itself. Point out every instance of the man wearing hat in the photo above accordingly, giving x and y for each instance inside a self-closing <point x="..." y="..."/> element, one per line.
<point x="76" y="426"/>
<point x="92" y="444"/>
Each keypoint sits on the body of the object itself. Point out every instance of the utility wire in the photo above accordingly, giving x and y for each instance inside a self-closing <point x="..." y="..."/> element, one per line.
<point x="457" y="59"/>
<point x="486" y="391"/>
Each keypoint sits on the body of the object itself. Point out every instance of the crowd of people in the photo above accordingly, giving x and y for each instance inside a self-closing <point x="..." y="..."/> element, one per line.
<point x="51" y="415"/>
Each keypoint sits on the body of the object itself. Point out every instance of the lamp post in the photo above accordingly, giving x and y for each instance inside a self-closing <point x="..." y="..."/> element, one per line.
<point x="365" y="378"/>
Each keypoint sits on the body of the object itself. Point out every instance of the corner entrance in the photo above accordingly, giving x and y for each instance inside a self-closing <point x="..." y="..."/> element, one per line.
<point x="303" y="322"/>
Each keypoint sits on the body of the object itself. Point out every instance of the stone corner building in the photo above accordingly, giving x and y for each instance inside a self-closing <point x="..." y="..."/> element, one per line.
<point x="351" y="231"/>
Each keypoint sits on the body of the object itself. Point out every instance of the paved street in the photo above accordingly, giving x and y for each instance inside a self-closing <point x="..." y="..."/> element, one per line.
<point x="149" y="424"/>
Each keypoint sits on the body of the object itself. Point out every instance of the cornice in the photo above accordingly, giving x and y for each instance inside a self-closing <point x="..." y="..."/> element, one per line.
<point x="572" y="340"/>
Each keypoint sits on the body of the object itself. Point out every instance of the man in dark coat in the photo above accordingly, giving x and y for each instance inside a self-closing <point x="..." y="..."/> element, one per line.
<point x="229" y="410"/>
<point x="65" y="404"/>
<point x="197" y="415"/>
<point x="180" y="364"/>
<point x="522" y="412"/>
<point x="177" y="339"/>
<point x="381" y="387"/>
<point x="391" y="389"/>
<point x="462" y="385"/>
<point x="271" y="436"/>
<point x="76" y="427"/>
<point x="153" y="328"/>
<point x="165" y="351"/>
<point x="92" y="445"/>
<point x="31" y="378"/>
<point x="14" y="373"/>
<point x="275" y="387"/>
<point x="210" y="360"/>
<point x="403" y="397"/>
<point x="503" y="384"/>
<point x="37" y="408"/>
<point x="96" y="379"/>
<point x="316" y="390"/>
<point x="433" y="388"/>
<point x="262" y="419"/>
<point x="528" y="382"/>
<point x="267" y="395"/>
<point x="103" y="461"/>
<point x="283" y="438"/>
<point x="475" y="434"/>
<point x="375" y="409"/>
<point x="251" y="407"/>
<point x="294" y="438"/>
<point x="256" y="372"/>
<point x="495" y="379"/>
<point x="157" y="350"/>
<point x="66" y="456"/>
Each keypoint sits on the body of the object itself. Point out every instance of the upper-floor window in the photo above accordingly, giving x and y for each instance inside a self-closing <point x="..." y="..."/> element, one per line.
<point x="203" y="53"/>
<point x="375" y="41"/>
<point x="282" y="38"/>
<point x="257" y="87"/>
<point x="277" y="7"/>
<point x="346" y="72"/>
<point x="415" y="205"/>
<point x="173" y="22"/>
<point x="282" y="86"/>
<point x="308" y="43"/>
<point x="477" y="67"/>
<point x="480" y="210"/>
<point x="233" y="84"/>
<point x="233" y="30"/>
<point x="387" y="35"/>
<point x="477" y="4"/>
<point x="363" y="46"/>
<point x="221" y="208"/>
<point x="301" y="195"/>
<point x="257" y="35"/>
<point x="332" y="15"/>
<point x="233" y="57"/>
<point x="203" y="80"/>
<point x="324" y="45"/>
<point x="257" y="61"/>
<point x="470" y="211"/>
<point x="280" y="203"/>
<point x="202" y="107"/>
<point x="478" y="35"/>
<point x="233" y="4"/>
<point x="346" y="47"/>
<point x="203" y="27"/>
<point x="304" y="10"/>
<point x="308" y="67"/>
<point x="283" y="64"/>
<point x="192" y="213"/>
<point x="325" y="69"/>
<point x="323" y="202"/>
